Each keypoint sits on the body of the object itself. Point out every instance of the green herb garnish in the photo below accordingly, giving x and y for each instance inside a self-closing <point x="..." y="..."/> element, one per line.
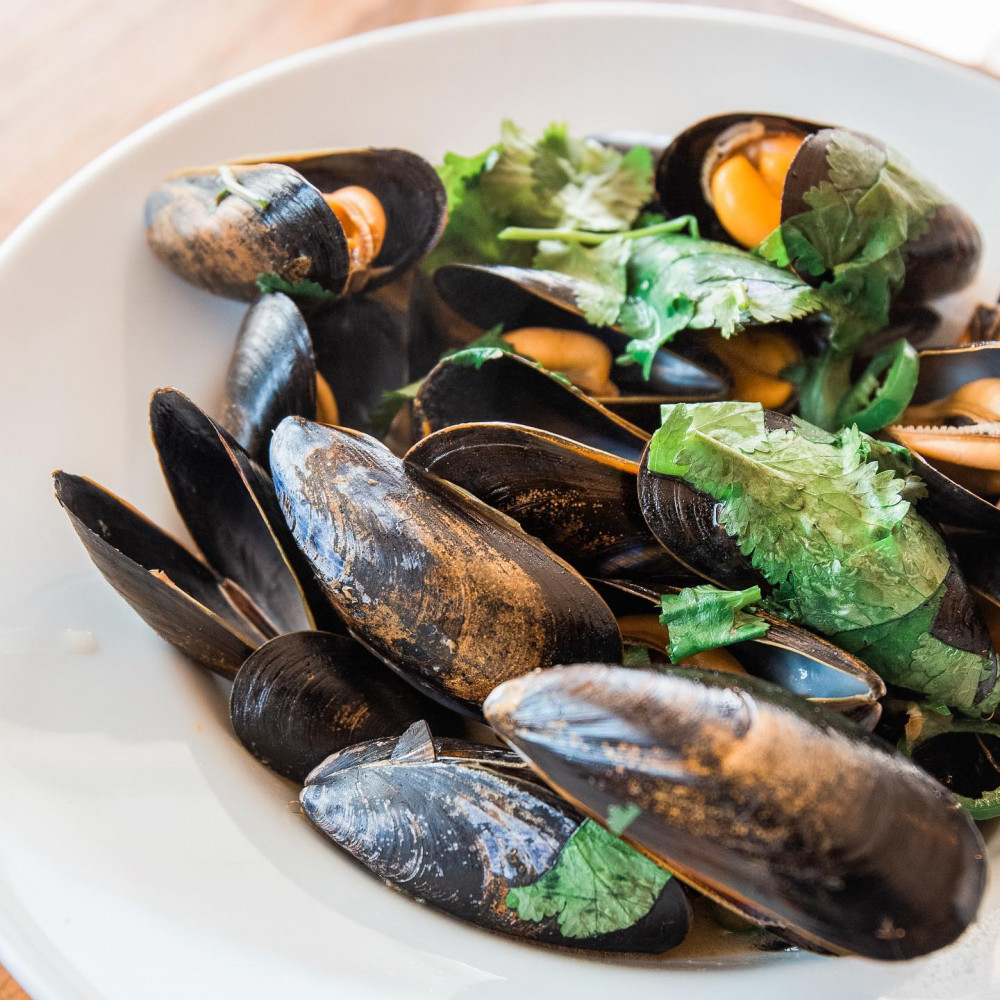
<point x="234" y="187"/>
<point x="677" y="282"/>
<point x="823" y="518"/>
<point x="557" y="181"/>
<point x="598" y="885"/>
<point x="705" y="617"/>
<point x="853" y="236"/>
<point x="303" y="289"/>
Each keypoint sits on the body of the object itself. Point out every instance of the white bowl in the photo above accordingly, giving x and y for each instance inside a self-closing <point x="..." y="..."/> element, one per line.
<point x="143" y="853"/>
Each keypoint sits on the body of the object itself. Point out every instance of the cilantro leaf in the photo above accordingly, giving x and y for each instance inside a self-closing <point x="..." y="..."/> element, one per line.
<point x="304" y="289"/>
<point x="598" y="273"/>
<point x="557" y="180"/>
<point x="823" y="518"/>
<point x="679" y="282"/>
<point x="598" y="885"/>
<point x="705" y="617"/>
<point x="637" y="658"/>
<point x="853" y="235"/>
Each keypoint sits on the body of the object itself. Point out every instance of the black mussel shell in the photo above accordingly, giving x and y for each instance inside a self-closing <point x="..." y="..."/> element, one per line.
<point x="915" y="324"/>
<point x="272" y="374"/>
<point x="361" y="350"/>
<point x="305" y="695"/>
<point x="679" y="170"/>
<point x="518" y="297"/>
<point x="510" y="389"/>
<point x="943" y="260"/>
<point x="228" y="504"/>
<point x="759" y="799"/>
<point x="582" y="503"/>
<point x="458" y="827"/>
<point x="942" y="372"/>
<point x="685" y="522"/>
<point x="453" y="595"/>
<point x="224" y="245"/>
<point x="790" y="656"/>
<point x="176" y="594"/>
<point x="411" y="193"/>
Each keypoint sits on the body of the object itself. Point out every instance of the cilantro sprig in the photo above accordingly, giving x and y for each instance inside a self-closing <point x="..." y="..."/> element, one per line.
<point x="705" y="617"/>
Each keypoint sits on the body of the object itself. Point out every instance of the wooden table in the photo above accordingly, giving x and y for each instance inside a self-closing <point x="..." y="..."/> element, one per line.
<point x="77" y="75"/>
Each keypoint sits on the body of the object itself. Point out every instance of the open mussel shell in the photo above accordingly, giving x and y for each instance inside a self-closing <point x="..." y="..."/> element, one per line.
<point x="453" y="595"/>
<point x="303" y="696"/>
<point x="943" y="260"/>
<point x="790" y="656"/>
<point x="582" y="503"/>
<point x="272" y="374"/>
<point x="463" y="828"/>
<point x="176" y="594"/>
<point x="361" y="349"/>
<point x="223" y="244"/>
<point x="509" y="389"/>
<point x="228" y="504"/>
<point x="944" y="371"/>
<point x="758" y="799"/>
<point x="407" y="186"/>
<point x="520" y="297"/>
<point x="680" y="169"/>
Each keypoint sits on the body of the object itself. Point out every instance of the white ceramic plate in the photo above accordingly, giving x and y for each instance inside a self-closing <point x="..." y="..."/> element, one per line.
<point x="142" y="853"/>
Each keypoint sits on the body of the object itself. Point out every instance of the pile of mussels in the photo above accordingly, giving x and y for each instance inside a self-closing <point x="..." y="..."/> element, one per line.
<point x="369" y="599"/>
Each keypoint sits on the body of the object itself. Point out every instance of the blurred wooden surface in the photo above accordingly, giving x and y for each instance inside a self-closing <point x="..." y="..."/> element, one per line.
<point x="78" y="75"/>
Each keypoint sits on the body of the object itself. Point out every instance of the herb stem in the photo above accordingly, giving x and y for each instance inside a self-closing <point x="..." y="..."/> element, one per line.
<point x="526" y="234"/>
<point x="233" y="186"/>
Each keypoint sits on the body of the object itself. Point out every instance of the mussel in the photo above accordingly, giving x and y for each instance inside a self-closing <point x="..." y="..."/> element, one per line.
<point x="465" y="828"/>
<point x="779" y="808"/>
<point x="952" y="430"/>
<point x="258" y="584"/>
<point x="511" y="389"/>
<point x="334" y="366"/>
<point x="522" y="297"/>
<point x="939" y="646"/>
<point x="788" y="655"/>
<point x="491" y="602"/>
<point x="343" y="219"/>
<point x="581" y="502"/>
<point x="743" y="174"/>
<point x="305" y="695"/>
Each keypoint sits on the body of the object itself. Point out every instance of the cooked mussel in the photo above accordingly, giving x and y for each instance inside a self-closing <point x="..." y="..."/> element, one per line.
<point x="760" y="800"/>
<point x="342" y="219"/>
<point x="305" y="695"/>
<point x="743" y="174"/>
<point x="952" y="430"/>
<point x="257" y="585"/>
<point x="790" y="656"/>
<point x="492" y="602"/>
<point x="581" y="502"/>
<point x="181" y="598"/>
<point x="939" y="646"/>
<point x="465" y="828"/>
<point x="511" y="389"/>
<point x="526" y="298"/>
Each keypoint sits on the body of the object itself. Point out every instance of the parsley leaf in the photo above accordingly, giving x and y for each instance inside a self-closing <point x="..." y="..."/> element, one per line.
<point x="598" y="885"/>
<point x="678" y="282"/>
<point x="304" y="289"/>
<point x="705" y="617"/>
